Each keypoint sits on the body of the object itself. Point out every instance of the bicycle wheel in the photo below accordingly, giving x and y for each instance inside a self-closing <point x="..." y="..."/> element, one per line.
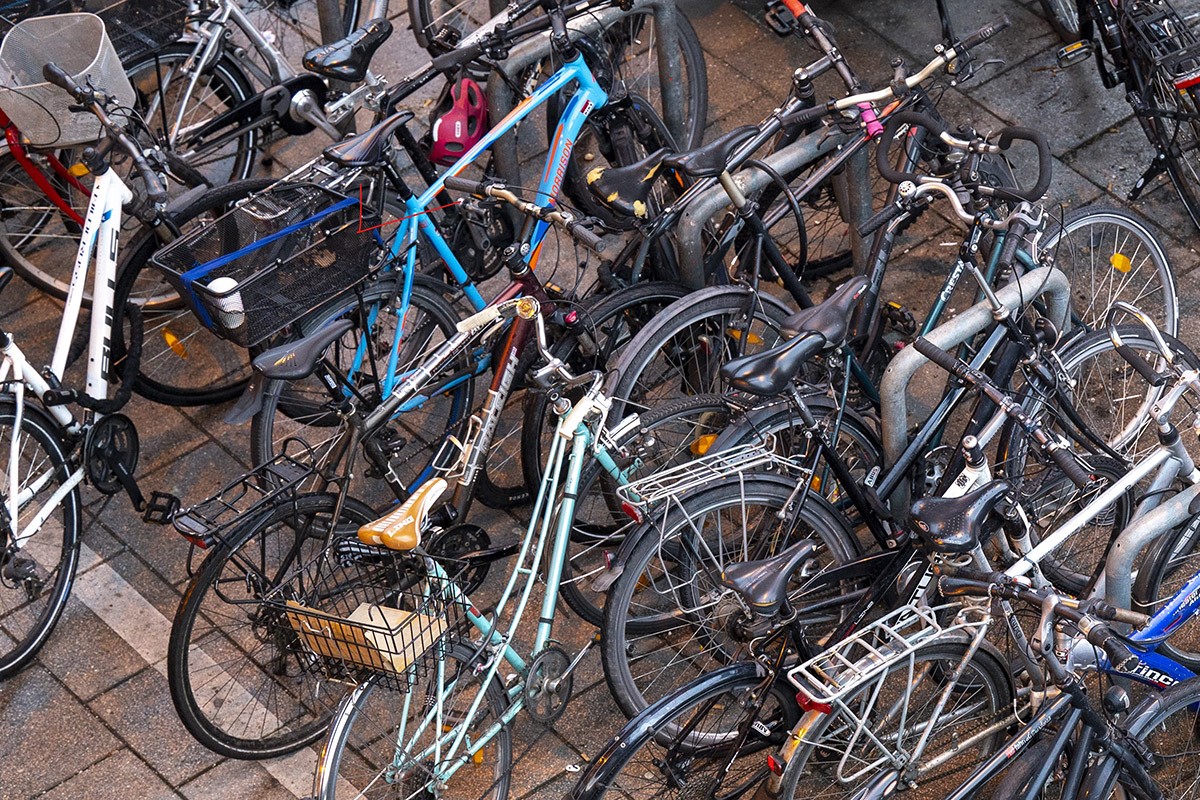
<point x="175" y="108"/>
<point x="668" y="619"/>
<point x="183" y="363"/>
<point x="1175" y="133"/>
<point x="665" y="437"/>
<point x="236" y="682"/>
<point x="381" y="743"/>
<point x="1169" y="564"/>
<point x="37" y="575"/>
<point x="1063" y="16"/>
<point x="428" y="17"/>
<point x="1166" y="724"/>
<point x="682" y="349"/>
<point x="287" y="18"/>
<point x="302" y="408"/>
<point x="1111" y="255"/>
<point x="876" y="726"/>
<point x="608" y="324"/>
<point x="702" y="741"/>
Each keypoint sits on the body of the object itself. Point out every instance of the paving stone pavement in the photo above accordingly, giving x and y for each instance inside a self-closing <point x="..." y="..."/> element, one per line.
<point x="92" y="718"/>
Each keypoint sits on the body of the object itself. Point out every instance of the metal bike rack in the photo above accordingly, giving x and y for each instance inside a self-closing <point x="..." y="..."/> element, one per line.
<point x="1119" y="570"/>
<point x="537" y="48"/>
<point x="1045" y="282"/>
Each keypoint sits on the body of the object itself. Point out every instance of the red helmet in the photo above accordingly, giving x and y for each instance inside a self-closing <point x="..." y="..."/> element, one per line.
<point x="461" y="123"/>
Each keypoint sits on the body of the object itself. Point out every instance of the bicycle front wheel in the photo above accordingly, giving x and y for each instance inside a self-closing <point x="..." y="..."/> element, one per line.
<point x="877" y="725"/>
<point x="39" y="564"/>
<point x="1063" y="16"/>
<point x="385" y="744"/>
<point x="237" y="680"/>
<point x="706" y="740"/>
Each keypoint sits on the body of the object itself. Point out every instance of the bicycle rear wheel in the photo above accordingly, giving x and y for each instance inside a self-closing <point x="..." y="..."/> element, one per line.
<point x="238" y="684"/>
<point x="37" y="576"/>
<point x="1176" y="135"/>
<point x="1063" y="16"/>
<point x="381" y="742"/>
<point x="702" y="741"/>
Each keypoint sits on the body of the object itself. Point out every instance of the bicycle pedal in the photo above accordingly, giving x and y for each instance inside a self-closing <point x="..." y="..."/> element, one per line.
<point x="161" y="508"/>
<point x="1073" y="53"/>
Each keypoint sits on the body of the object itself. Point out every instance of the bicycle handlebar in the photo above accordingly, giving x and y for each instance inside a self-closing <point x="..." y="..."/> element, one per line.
<point x="574" y="227"/>
<point x="1058" y="452"/>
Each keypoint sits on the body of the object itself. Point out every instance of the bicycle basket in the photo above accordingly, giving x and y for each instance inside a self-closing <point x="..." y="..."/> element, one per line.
<point x="79" y="44"/>
<point x="1158" y="34"/>
<point x="271" y="260"/>
<point x="358" y="610"/>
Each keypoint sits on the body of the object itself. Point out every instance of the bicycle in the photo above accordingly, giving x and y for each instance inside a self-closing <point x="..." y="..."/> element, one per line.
<point x="1148" y="49"/>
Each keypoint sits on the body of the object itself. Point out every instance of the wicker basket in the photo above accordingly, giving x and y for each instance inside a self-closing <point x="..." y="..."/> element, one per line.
<point x="272" y="259"/>
<point x="42" y="111"/>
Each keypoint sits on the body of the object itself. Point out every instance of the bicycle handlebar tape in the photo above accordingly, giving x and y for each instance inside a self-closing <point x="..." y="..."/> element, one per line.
<point x="877" y="221"/>
<point x="986" y="32"/>
<point x="1045" y="163"/>
<point x="908" y="117"/>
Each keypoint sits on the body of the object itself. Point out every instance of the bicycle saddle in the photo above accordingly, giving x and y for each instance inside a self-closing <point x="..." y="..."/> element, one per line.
<point x="831" y="317"/>
<point x="626" y="189"/>
<point x="710" y="160"/>
<point x="763" y="583"/>
<point x="400" y="529"/>
<point x="769" y="372"/>
<point x="295" y="360"/>
<point x="366" y="149"/>
<point x="347" y="59"/>
<point x="952" y="524"/>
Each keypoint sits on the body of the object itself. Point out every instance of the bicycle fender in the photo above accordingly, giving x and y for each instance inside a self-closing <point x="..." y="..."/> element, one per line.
<point x="250" y="403"/>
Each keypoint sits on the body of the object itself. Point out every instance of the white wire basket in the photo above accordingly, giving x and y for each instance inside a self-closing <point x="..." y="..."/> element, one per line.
<point x="42" y="111"/>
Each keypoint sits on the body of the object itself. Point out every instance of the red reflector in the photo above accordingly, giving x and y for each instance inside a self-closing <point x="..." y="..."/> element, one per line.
<point x="808" y="704"/>
<point x="774" y="765"/>
<point x="632" y="511"/>
<point x="199" y="541"/>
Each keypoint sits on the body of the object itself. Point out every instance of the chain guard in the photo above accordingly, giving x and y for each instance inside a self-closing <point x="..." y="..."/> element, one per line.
<point x="111" y="442"/>
<point x="548" y="687"/>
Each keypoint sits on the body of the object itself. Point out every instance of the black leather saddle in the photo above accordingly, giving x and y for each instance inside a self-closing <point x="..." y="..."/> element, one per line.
<point x="710" y="160"/>
<point x="763" y="584"/>
<point x="824" y="325"/>
<point x="366" y="149"/>
<point x="626" y="189"/>
<point x="954" y="524"/>
<point x="347" y="59"/>
<point x="296" y="360"/>
<point x="831" y="317"/>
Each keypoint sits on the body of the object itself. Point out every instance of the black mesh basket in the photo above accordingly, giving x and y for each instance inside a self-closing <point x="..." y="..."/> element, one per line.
<point x="358" y="611"/>
<point x="272" y="259"/>
<point x="134" y="26"/>
<point x="1158" y="34"/>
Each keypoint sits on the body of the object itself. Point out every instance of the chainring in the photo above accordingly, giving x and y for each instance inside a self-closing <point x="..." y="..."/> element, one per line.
<point x="548" y="687"/>
<point x="111" y="442"/>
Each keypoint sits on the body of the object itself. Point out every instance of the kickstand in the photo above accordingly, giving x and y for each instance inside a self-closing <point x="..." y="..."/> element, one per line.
<point x="1157" y="167"/>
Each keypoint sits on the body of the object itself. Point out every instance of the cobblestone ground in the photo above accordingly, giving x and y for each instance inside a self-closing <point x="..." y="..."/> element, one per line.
<point x="92" y="718"/>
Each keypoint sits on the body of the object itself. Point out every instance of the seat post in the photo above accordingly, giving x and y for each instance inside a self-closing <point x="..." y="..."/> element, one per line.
<point x="732" y="189"/>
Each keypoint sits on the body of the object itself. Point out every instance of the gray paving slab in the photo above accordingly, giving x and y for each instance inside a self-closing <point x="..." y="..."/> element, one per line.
<point x="119" y="777"/>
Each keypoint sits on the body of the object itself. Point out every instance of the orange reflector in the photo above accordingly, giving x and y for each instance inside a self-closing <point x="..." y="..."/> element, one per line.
<point x="78" y="170"/>
<point x="478" y="757"/>
<point x="1120" y="262"/>
<point x="174" y="343"/>
<point x="751" y="338"/>
<point x="815" y="483"/>
<point x="700" y="446"/>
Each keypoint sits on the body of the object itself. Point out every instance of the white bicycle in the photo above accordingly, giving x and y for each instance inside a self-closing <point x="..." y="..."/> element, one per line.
<point x="46" y="450"/>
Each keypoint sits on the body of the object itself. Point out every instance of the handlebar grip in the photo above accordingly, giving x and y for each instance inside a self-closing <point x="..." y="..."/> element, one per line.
<point x="796" y="7"/>
<point x="1108" y="611"/>
<point x="1045" y="163"/>
<point x="457" y="184"/>
<point x="986" y="32"/>
<point x="956" y="587"/>
<point x="804" y="116"/>
<point x="56" y="75"/>
<point x="1120" y="656"/>
<point x="914" y="118"/>
<point x="938" y="356"/>
<point x="877" y="221"/>
<point x="1066" y="463"/>
<point x="1140" y="365"/>
<point x="457" y="58"/>
<point x="585" y="237"/>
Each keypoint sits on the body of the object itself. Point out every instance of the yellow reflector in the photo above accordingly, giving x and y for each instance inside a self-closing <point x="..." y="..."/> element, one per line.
<point x="174" y="343"/>
<point x="478" y="757"/>
<point x="78" y="170"/>
<point x="752" y="338"/>
<point x="816" y="483"/>
<point x="700" y="446"/>
<point x="1120" y="262"/>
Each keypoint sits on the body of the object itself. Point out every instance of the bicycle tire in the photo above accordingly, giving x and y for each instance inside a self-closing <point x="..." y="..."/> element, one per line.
<point x="205" y="635"/>
<point x="681" y="745"/>
<point x="42" y="450"/>
<point x="1176" y="137"/>
<point x="682" y="349"/>
<point x="1063" y="16"/>
<point x="1165" y="723"/>
<point x="667" y="612"/>
<point x="464" y="16"/>
<point x="300" y="408"/>
<point x="1169" y="563"/>
<point x="667" y="436"/>
<point x="183" y="363"/>
<point x="301" y="17"/>
<point x="36" y="238"/>
<point x="988" y="686"/>
<point x="354" y="715"/>
<point x="223" y="86"/>
<point x="607" y="324"/>
<point x="1110" y="255"/>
